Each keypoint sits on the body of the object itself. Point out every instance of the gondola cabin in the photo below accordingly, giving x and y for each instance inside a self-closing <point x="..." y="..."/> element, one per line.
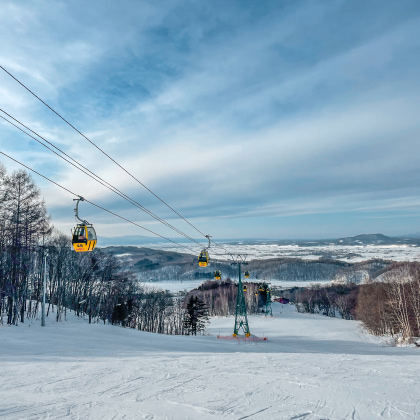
<point x="203" y="258"/>
<point x="244" y="289"/>
<point x="247" y="274"/>
<point x="217" y="275"/>
<point x="84" y="238"/>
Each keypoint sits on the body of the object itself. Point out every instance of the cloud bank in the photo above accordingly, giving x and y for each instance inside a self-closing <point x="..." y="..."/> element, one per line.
<point x="269" y="119"/>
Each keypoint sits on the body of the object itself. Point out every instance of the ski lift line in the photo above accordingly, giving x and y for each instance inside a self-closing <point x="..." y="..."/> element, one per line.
<point x="142" y="227"/>
<point x="94" y="176"/>
<point x="90" y="141"/>
<point x="109" y="186"/>
<point x="220" y="246"/>
<point x="96" y="205"/>
<point x="93" y="144"/>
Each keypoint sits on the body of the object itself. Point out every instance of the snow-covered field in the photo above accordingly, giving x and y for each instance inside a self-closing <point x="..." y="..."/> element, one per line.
<point x="312" y="368"/>
<point x="353" y="253"/>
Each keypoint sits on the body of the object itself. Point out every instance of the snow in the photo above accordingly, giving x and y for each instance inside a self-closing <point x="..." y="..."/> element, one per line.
<point x="311" y="367"/>
<point x="348" y="253"/>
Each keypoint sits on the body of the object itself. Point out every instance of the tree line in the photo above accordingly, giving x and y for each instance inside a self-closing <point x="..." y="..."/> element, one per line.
<point x="388" y="305"/>
<point x="94" y="284"/>
<point x="220" y="296"/>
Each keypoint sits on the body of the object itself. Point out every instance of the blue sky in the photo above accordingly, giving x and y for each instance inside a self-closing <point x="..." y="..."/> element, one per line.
<point x="264" y="119"/>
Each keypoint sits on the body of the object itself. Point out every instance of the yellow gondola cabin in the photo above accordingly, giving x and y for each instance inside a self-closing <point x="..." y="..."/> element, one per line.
<point x="203" y="258"/>
<point x="84" y="236"/>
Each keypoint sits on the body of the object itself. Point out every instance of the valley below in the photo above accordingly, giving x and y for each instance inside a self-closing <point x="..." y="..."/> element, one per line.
<point x="348" y="260"/>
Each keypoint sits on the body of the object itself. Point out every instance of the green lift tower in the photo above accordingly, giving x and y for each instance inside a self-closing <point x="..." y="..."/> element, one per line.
<point x="264" y="288"/>
<point x="268" y="310"/>
<point x="241" y="319"/>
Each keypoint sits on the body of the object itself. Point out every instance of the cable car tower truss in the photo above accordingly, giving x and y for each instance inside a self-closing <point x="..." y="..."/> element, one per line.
<point x="268" y="309"/>
<point x="241" y="319"/>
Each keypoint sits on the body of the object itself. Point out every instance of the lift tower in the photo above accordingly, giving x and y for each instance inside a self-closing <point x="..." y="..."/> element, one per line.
<point x="241" y="319"/>
<point x="268" y="309"/>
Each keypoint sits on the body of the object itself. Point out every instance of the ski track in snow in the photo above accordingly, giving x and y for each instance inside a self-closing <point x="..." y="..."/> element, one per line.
<point x="311" y="368"/>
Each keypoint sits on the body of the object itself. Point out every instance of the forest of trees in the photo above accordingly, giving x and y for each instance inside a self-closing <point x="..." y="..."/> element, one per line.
<point x="220" y="297"/>
<point x="389" y="305"/>
<point x="334" y="300"/>
<point x="93" y="284"/>
<point x="392" y="306"/>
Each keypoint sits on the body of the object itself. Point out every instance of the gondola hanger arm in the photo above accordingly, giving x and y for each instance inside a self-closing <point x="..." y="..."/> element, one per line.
<point x="76" y="210"/>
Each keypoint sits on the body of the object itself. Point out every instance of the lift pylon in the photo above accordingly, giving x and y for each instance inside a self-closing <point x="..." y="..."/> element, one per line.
<point x="241" y="319"/>
<point x="268" y="309"/>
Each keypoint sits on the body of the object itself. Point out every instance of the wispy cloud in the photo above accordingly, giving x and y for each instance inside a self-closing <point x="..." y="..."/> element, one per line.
<point x="256" y="114"/>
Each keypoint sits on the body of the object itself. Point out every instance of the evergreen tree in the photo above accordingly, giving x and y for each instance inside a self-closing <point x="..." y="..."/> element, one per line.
<point x="196" y="316"/>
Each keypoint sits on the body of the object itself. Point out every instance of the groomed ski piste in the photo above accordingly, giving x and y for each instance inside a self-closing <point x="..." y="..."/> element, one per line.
<point x="311" y="367"/>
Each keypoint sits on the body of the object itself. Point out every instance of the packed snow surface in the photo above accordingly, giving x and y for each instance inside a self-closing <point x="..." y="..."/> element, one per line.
<point x="311" y="368"/>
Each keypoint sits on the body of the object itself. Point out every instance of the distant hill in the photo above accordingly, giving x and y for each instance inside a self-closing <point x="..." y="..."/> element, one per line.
<point x="379" y="239"/>
<point x="158" y="265"/>
<point x="367" y="239"/>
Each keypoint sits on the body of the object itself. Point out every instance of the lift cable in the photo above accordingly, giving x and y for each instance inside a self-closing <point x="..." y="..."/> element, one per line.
<point x="98" y="206"/>
<point x="109" y="157"/>
<point x="91" y="174"/>
<point x="93" y="144"/>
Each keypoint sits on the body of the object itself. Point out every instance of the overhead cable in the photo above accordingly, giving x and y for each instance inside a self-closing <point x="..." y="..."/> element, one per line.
<point x="107" y="155"/>
<point x="96" y="205"/>
<point x="91" y="174"/>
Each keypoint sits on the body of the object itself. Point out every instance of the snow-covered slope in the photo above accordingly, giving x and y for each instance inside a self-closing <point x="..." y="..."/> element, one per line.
<point x="311" y="367"/>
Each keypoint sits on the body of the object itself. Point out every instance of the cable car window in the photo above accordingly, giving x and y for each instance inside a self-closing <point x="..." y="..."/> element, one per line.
<point x="91" y="234"/>
<point x="80" y="232"/>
